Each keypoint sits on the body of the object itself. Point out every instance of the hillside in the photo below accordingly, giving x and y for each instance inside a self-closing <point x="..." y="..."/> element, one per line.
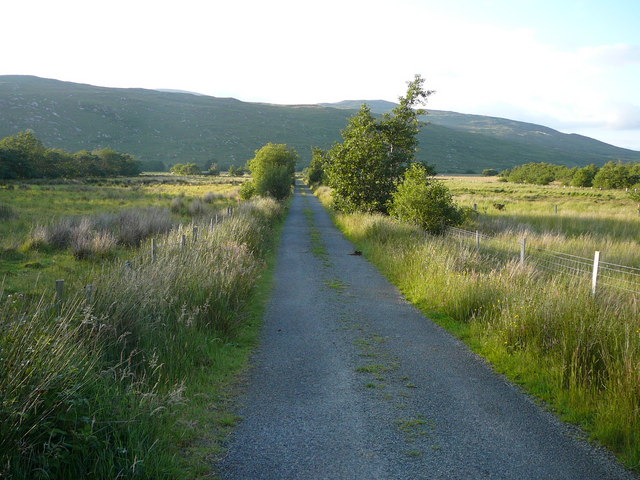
<point x="175" y="127"/>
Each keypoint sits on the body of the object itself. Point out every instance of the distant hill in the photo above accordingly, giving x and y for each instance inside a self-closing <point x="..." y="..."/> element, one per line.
<point x="183" y="127"/>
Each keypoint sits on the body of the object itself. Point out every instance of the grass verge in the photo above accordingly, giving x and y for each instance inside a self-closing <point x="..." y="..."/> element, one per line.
<point x="579" y="354"/>
<point x="127" y="382"/>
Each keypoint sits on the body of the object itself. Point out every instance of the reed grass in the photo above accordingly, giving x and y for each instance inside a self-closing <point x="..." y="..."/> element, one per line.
<point x="95" y="386"/>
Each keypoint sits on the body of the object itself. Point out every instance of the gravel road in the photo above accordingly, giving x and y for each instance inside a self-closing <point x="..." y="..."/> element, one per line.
<point x="353" y="382"/>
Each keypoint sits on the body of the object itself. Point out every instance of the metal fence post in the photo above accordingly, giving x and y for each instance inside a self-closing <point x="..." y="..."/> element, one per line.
<point x="594" y="277"/>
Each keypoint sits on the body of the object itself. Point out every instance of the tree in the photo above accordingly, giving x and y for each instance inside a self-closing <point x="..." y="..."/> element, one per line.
<point x="214" y="170"/>
<point x="273" y="171"/>
<point x="489" y="172"/>
<point x="185" y="169"/>
<point x="315" y="173"/>
<point x="424" y="201"/>
<point x="615" y="175"/>
<point x="365" y="168"/>
<point x="583" y="177"/>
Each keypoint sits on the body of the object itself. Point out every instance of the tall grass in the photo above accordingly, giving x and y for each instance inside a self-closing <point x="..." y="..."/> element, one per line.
<point x="93" y="387"/>
<point x="581" y="354"/>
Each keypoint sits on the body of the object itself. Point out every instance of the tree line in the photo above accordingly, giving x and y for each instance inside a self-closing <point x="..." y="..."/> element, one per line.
<point x="612" y="175"/>
<point x="23" y="156"/>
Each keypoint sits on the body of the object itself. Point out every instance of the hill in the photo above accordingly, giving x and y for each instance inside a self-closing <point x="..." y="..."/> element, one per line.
<point x="172" y="127"/>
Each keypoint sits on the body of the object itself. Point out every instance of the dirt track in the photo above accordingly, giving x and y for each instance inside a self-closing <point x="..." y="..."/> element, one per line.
<point x="352" y="382"/>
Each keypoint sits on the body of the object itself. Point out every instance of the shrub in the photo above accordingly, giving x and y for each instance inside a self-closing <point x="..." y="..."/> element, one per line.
<point x="178" y="205"/>
<point x="211" y="197"/>
<point x="424" y="201"/>
<point x="489" y="172"/>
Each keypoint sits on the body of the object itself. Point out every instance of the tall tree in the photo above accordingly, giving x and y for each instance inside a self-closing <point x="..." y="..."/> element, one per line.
<point x="365" y="168"/>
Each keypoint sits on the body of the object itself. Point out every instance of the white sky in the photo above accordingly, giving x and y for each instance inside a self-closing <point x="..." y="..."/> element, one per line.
<point x="573" y="65"/>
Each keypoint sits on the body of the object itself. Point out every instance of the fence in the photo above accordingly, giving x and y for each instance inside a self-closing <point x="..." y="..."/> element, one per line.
<point x="151" y="255"/>
<point x="601" y="274"/>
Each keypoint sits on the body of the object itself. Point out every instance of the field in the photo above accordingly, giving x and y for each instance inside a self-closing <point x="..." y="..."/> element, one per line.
<point x="26" y="206"/>
<point x="545" y="330"/>
<point x="129" y="379"/>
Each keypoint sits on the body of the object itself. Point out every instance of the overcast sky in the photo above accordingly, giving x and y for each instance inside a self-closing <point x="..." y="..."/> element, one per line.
<point x="569" y="64"/>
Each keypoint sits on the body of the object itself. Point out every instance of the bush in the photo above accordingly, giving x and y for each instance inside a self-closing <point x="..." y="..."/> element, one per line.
<point x="197" y="207"/>
<point x="424" y="201"/>
<point x="489" y="172"/>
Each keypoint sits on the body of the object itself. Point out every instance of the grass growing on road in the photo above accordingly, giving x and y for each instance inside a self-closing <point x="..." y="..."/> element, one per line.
<point x="580" y="354"/>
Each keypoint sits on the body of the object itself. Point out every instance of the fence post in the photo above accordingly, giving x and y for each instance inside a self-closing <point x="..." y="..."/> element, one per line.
<point x="195" y="233"/>
<point x="88" y="292"/>
<point x="477" y="239"/>
<point x="153" y="249"/>
<point x="555" y="209"/>
<point x="594" y="277"/>
<point x="183" y="241"/>
<point x="59" y="290"/>
<point x="475" y="207"/>
<point x="523" y="250"/>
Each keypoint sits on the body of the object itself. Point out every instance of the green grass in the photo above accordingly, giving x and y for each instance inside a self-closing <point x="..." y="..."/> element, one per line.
<point x="579" y="354"/>
<point x="32" y="271"/>
<point x="133" y="382"/>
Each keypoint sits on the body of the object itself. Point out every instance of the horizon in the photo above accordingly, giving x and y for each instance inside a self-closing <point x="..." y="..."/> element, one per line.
<point x="573" y="66"/>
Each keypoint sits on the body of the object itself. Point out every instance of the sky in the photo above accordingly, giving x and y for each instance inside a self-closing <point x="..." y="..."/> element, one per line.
<point x="572" y="65"/>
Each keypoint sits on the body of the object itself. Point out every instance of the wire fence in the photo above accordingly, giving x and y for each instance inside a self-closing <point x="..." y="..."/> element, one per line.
<point x="128" y="265"/>
<point x="601" y="274"/>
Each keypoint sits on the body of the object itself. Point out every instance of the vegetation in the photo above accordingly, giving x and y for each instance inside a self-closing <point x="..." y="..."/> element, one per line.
<point x="23" y="156"/>
<point x="612" y="175"/>
<point x="315" y="174"/>
<point x="177" y="127"/>
<point x="579" y="353"/>
<point x="115" y="378"/>
<point x="364" y="169"/>
<point x="424" y="201"/>
<point x="185" y="169"/>
<point x="272" y="171"/>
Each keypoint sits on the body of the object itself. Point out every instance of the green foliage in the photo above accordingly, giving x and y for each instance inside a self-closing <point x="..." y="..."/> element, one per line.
<point x="236" y="171"/>
<point x="273" y="171"/>
<point x="424" y="201"/>
<point x="617" y="175"/>
<point x="536" y="173"/>
<point x="583" y="177"/>
<point x="315" y="174"/>
<point x="489" y="172"/>
<point x="185" y="169"/>
<point x="23" y="156"/>
<point x="364" y="169"/>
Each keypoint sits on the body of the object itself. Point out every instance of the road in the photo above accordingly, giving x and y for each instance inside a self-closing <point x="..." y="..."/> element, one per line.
<point x="353" y="382"/>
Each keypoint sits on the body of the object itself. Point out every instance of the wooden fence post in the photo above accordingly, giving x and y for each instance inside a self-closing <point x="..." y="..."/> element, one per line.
<point x="59" y="290"/>
<point x="477" y="239"/>
<point x="523" y="250"/>
<point x="183" y="241"/>
<point x="195" y="233"/>
<point x="88" y="292"/>
<point x="594" y="277"/>
<point x="153" y="249"/>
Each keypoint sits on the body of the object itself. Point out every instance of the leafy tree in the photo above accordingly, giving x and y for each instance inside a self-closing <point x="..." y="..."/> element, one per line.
<point x="537" y="173"/>
<point x="583" y="177"/>
<point x="185" y="169"/>
<point x="616" y="175"/>
<point x="489" y="172"/>
<point x="273" y="170"/>
<point x="315" y="173"/>
<point x="424" y="201"/>
<point x="365" y="168"/>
